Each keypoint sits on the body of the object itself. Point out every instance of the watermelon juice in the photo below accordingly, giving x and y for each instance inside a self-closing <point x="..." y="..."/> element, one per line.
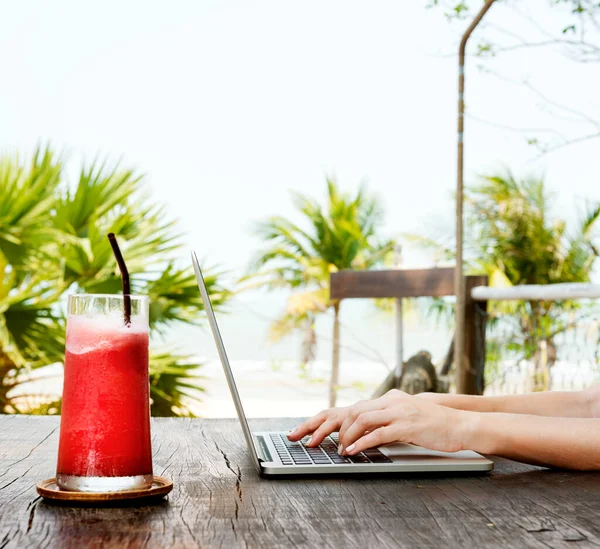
<point x="105" y="426"/>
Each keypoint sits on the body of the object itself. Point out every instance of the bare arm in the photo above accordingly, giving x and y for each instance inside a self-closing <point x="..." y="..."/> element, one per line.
<point x="558" y="442"/>
<point x="580" y="404"/>
<point x="567" y="442"/>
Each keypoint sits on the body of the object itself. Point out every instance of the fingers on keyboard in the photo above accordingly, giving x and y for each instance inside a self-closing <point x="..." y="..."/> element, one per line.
<point x="295" y="453"/>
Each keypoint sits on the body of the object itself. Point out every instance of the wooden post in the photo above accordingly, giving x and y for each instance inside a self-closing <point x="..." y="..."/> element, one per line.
<point x="462" y="367"/>
<point x="399" y="342"/>
<point x="397" y="261"/>
<point x="335" y="361"/>
<point x="475" y="321"/>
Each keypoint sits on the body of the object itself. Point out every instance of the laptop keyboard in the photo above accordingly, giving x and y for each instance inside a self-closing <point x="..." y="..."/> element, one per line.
<point x="295" y="453"/>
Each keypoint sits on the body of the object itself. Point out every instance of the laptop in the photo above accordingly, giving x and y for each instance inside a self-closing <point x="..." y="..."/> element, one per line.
<point x="273" y="454"/>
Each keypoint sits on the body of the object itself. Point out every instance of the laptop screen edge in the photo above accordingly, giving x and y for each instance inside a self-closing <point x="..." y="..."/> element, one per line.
<point x="212" y="320"/>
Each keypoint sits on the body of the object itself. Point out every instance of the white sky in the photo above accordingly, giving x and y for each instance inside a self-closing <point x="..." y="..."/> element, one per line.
<point x="227" y="105"/>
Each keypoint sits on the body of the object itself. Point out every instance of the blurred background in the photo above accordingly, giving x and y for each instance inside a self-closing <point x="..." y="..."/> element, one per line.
<point x="282" y="142"/>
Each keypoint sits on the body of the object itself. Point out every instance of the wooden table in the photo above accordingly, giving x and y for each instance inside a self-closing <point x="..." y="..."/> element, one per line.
<point x="219" y="501"/>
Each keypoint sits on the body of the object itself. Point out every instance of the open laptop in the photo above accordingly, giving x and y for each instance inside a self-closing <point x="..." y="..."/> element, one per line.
<point x="273" y="454"/>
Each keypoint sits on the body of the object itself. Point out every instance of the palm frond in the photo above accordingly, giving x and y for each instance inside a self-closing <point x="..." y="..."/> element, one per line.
<point x="175" y="384"/>
<point x="26" y="202"/>
<point x="514" y="240"/>
<point x="589" y="220"/>
<point x="53" y="241"/>
<point x="341" y="233"/>
<point x="99" y="191"/>
<point x="174" y="296"/>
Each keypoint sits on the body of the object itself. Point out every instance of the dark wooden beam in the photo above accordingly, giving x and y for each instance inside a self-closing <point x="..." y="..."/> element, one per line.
<point x="475" y="348"/>
<point x="392" y="283"/>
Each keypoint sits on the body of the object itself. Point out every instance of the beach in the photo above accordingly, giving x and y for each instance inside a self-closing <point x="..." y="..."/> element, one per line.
<point x="283" y="389"/>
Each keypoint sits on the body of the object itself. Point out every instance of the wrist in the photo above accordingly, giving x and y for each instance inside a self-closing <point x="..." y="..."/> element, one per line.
<point x="470" y="432"/>
<point x="591" y="402"/>
<point x="436" y="398"/>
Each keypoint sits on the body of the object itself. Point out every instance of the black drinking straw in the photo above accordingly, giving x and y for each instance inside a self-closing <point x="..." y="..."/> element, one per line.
<point x="124" y="277"/>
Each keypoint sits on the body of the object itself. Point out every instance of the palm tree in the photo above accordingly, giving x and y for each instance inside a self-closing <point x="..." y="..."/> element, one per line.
<point x="342" y="235"/>
<point x="53" y="242"/>
<point x="514" y="240"/>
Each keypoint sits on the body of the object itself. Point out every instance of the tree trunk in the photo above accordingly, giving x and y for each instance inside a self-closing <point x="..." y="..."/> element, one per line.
<point x="543" y="350"/>
<point x="6" y="366"/>
<point x="335" y="362"/>
<point x="544" y="359"/>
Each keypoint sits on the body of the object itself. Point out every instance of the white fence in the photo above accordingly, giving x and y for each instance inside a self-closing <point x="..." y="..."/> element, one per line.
<point x="541" y="337"/>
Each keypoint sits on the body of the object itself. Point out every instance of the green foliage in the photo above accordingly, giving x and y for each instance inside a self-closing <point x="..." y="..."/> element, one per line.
<point x="173" y="383"/>
<point x="576" y="29"/>
<point x="463" y="9"/>
<point x="28" y="197"/>
<point x="53" y="242"/>
<point x="52" y="408"/>
<point x="301" y="256"/>
<point x="174" y="296"/>
<point x="512" y="237"/>
<point x="512" y="232"/>
<point x="341" y="236"/>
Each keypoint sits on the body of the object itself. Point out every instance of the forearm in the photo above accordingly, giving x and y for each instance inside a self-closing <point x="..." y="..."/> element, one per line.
<point x="555" y="404"/>
<point x="558" y="442"/>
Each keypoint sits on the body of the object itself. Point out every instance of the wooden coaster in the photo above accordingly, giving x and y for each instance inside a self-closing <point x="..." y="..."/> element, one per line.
<point x="161" y="486"/>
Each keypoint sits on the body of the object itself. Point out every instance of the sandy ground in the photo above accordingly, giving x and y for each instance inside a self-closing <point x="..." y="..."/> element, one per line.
<point x="285" y="391"/>
<point x="266" y="391"/>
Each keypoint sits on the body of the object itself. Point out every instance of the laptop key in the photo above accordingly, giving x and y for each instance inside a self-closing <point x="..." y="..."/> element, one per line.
<point x="295" y="453"/>
<point x="358" y="459"/>
<point x="378" y="458"/>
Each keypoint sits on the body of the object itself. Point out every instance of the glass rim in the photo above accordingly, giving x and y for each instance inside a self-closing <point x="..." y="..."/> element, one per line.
<point x="109" y="296"/>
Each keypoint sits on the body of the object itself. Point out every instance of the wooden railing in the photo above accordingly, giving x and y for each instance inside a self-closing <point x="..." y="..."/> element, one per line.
<point x="405" y="283"/>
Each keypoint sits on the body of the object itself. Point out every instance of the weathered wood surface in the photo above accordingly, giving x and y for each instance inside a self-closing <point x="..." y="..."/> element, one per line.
<point x="392" y="283"/>
<point x="475" y="327"/>
<point x="219" y="501"/>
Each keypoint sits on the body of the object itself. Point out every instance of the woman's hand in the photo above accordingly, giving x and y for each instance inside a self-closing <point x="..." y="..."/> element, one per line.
<point x="394" y="417"/>
<point x="321" y="425"/>
<point x="567" y="442"/>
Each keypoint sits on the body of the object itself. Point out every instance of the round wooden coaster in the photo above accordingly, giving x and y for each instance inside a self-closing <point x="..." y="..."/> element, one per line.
<point x="161" y="486"/>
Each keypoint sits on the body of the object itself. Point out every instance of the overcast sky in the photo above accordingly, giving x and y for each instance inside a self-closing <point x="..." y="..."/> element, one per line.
<point x="227" y="105"/>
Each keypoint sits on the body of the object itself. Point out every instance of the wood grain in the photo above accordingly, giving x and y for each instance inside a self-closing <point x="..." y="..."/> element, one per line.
<point x="392" y="283"/>
<point x="219" y="501"/>
<point x="475" y="344"/>
<point x="48" y="489"/>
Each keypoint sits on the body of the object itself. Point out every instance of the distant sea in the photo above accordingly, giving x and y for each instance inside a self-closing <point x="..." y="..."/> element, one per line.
<point x="271" y="380"/>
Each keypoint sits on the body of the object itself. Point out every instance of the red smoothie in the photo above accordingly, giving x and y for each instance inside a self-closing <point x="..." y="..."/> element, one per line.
<point x="105" y="425"/>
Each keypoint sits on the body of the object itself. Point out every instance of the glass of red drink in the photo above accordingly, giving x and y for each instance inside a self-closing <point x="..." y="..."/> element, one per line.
<point x="105" y="426"/>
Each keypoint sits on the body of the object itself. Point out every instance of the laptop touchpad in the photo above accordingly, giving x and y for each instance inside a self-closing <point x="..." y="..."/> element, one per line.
<point x="401" y="451"/>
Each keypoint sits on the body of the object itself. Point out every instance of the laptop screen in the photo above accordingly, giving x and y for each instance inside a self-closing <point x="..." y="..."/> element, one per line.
<point x="212" y="320"/>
